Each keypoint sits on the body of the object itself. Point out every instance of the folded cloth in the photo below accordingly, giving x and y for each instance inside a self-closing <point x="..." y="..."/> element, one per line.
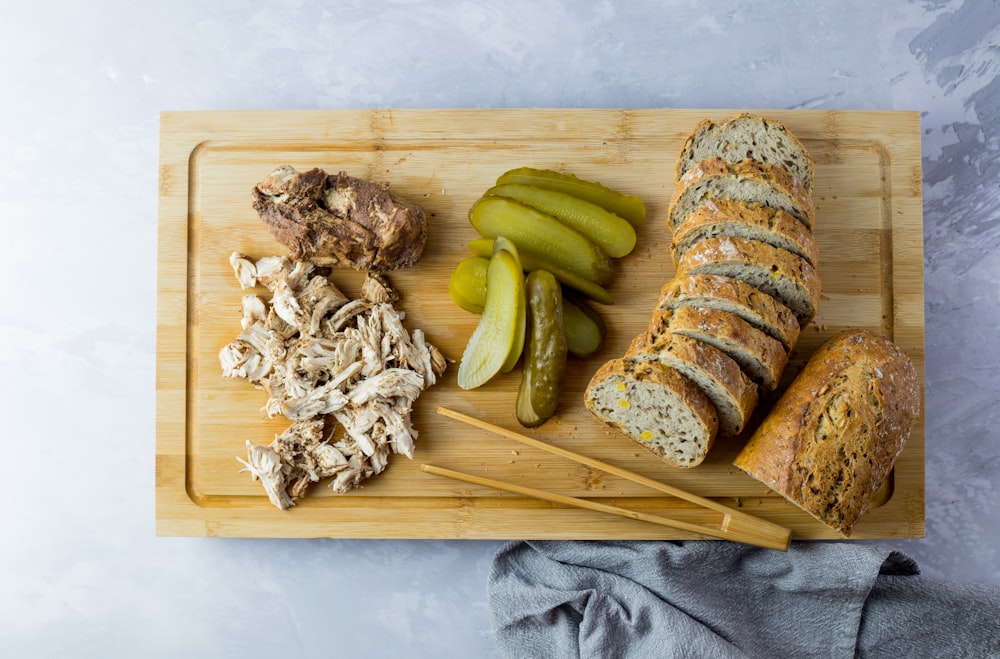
<point x="720" y="599"/>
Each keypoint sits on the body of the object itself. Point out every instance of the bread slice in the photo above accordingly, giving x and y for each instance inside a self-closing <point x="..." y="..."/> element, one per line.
<point x="656" y="407"/>
<point x="740" y="219"/>
<point x="779" y="273"/>
<point x="829" y="443"/>
<point x="762" y="358"/>
<point x="732" y="295"/>
<point x="730" y="390"/>
<point x="747" y="180"/>
<point x="751" y="136"/>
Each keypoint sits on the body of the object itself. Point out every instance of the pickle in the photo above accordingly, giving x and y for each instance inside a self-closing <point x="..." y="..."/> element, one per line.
<point x="467" y="286"/>
<point x="531" y="262"/>
<point x="626" y="206"/>
<point x="520" y="317"/>
<point x="542" y="234"/>
<point x="584" y="327"/>
<point x="603" y="228"/>
<point x="495" y="337"/>
<point x="545" y="356"/>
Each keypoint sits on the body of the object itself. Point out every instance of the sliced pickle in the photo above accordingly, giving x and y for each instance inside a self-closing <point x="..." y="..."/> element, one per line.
<point x="542" y="234"/>
<point x="603" y="228"/>
<point x="531" y="262"/>
<point x="584" y="327"/>
<point x="623" y="205"/>
<point x="467" y="286"/>
<point x="520" y="320"/>
<point x="496" y="334"/>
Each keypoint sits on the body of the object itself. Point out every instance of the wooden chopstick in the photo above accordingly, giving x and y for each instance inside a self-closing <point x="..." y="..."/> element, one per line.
<point x="734" y="525"/>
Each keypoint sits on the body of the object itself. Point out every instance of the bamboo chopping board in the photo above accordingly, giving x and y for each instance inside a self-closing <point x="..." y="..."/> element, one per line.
<point x="869" y="230"/>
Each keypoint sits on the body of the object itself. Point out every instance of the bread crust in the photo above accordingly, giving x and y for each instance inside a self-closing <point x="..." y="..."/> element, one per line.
<point x="732" y="389"/>
<point x="725" y="217"/>
<point x="751" y="304"/>
<point x="833" y="437"/>
<point x="655" y="373"/>
<point x="750" y="170"/>
<point x="774" y="266"/>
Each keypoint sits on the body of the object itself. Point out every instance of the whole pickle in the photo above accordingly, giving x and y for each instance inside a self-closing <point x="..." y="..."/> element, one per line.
<point x="545" y="354"/>
<point x="584" y="327"/>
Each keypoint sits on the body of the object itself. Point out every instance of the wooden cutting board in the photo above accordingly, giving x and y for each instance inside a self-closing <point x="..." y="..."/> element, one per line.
<point x="869" y="230"/>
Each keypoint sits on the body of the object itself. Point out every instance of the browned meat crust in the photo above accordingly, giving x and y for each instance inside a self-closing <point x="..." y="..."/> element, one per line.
<point x="341" y="221"/>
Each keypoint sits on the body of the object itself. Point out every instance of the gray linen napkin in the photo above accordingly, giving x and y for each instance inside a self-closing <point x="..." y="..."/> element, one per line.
<point x="720" y="599"/>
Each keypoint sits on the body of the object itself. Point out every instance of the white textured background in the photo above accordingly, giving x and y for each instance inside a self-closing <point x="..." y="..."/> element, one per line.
<point x="81" y="87"/>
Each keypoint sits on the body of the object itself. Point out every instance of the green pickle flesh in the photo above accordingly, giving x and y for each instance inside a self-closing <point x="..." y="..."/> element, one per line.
<point x="531" y="262"/>
<point x="543" y="235"/>
<point x="608" y="231"/>
<point x="623" y="205"/>
<point x="496" y="334"/>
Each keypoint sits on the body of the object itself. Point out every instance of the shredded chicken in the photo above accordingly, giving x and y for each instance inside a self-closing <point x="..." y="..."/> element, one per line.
<point x="323" y="359"/>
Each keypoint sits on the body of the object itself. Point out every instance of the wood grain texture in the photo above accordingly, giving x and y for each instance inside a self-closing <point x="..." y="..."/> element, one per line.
<point x="869" y="230"/>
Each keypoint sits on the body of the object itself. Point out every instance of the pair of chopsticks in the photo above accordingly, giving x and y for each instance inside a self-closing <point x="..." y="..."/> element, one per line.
<point x="733" y="525"/>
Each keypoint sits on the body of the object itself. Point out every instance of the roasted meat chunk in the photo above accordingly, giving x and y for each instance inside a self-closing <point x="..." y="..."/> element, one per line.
<point x="340" y="221"/>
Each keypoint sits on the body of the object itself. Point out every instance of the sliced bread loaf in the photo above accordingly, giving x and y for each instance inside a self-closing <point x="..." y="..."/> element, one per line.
<point x="747" y="180"/>
<point x="656" y="407"/>
<point x="831" y="440"/>
<point x="730" y="390"/>
<point x="779" y="273"/>
<point x="740" y="219"/>
<point x="751" y="136"/>
<point x="732" y="295"/>
<point x="762" y="358"/>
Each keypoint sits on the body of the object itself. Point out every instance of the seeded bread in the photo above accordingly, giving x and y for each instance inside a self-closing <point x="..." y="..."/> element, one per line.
<point x="762" y="358"/>
<point x="747" y="180"/>
<point x="747" y="136"/>
<point x="656" y="407"/>
<point x="732" y="295"/>
<point x="730" y="390"/>
<point x="742" y="219"/>
<point x="831" y="440"/>
<point x="779" y="273"/>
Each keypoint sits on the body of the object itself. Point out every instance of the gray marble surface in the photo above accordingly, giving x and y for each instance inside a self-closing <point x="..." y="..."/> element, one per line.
<point x="81" y="571"/>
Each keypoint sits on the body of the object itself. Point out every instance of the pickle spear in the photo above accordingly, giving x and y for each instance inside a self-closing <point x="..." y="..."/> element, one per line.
<point x="627" y="206"/>
<point x="530" y="262"/>
<point x="467" y="286"/>
<point x="545" y="356"/>
<point x="603" y="228"/>
<point x="496" y="334"/>
<point x="584" y="327"/>
<point x="520" y="317"/>
<point x="542" y="234"/>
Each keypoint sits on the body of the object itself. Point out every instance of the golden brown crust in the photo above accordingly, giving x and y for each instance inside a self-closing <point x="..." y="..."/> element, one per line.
<point x="709" y="363"/>
<point x="717" y="168"/>
<point x="831" y="440"/>
<point x="773" y="267"/>
<point x="777" y="319"/>
<point x="761" y="357"/>
<point x="724" y="217"/>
